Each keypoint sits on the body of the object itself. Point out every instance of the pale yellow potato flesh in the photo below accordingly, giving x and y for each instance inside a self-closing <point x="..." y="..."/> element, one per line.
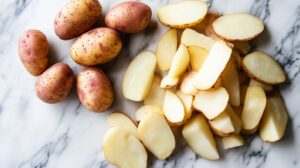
<point x="121" y="120"/>
<point x="156" y="135"/>
<point x="266" y="87"/>
<point x="243" y="91"/>
<point x="187" y="101"/>
<point x="168" y="82"/>
<point x="166" y="49"/>
<point x="173" y="108"/>
<point x="236" y="120"/>
<point x="191" y="37"/>
<point x="198" y="56"/>
<point x="232" y="141"/>
<point x="138" y="77"/>
<point x="144" y="110"/>
<point x="199" y="137"/>
<point x="156" y="94"/>
<point x="123" y="149"/>
<point x="186" y="85"/>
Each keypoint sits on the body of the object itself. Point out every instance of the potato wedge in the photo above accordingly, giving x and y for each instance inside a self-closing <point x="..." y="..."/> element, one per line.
<point x="187" y="101"/>
<point x="198" y="56"/>
<point x="121" y="120"/>
<point x="199" y="137"/>
<point x="266" y="87"/>
<point x="186" y="85"/>
<point x="156" y="135"/>
<point x="263" y="68"/>
<point x="123" y="149"/>
<point x="173" y="108"/>
<point x="238" y="27"/>
<point x="144" y="110"/>
<point x="166" y="49"/>
<point x="243" y="91"/>
<point x="190" y="37"/>
<point x="138" y="77"/>
<point x="254" y="106"/>
<point x="232" y="141"/>
<point x="175" y="15"/>
<point x="157" y="94"/>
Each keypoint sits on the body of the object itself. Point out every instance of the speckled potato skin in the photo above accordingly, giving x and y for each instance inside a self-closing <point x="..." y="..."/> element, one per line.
<point x="55" y="83"/>
<point x="76" y="17"/>
<point x="97" y="46"/>
<point x="129" y="17"/>
<point x="94" y="90"/>
<point x="33" y="50"/>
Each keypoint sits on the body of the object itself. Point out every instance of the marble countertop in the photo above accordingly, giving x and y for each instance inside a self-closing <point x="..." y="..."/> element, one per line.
<point x="66" y="135"/>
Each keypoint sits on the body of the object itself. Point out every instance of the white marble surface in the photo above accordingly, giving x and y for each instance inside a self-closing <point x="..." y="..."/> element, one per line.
<point x="66" y="135"/>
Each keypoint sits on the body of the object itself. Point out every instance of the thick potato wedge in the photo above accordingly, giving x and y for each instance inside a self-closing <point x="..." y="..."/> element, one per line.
<point x="173" y="109"/>
<point x="190" y="37"/>
<point x="138" y="77"/>
<point x="187" y="101"/>
<point x="198" y="56"/>
<point x="175" y="15"/>
<point x="186" y="85"/>
<point x="157" y="94"/>
<point x="266" y="87"/>
<point x="156" y="135"/>
<point x="232" y="141"/>
<point x="238" y="27"/>
<point x="263" y="68"/>
<point x="121" y="120"/>
<point x="199" y="137"/>
<point x="166" y="49"/>
<point x="144" y="110"/>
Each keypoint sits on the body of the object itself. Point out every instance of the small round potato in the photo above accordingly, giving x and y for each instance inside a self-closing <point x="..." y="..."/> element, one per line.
<point x="96" y="46"/>
<point x="129" y="17"/>
<point x="55" y="83"/>
<point x="94" y="89"/>
<point x="33" y="50"/>
<point x="76" y="17"/>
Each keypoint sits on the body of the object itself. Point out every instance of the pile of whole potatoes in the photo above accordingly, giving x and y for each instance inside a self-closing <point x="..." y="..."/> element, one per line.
<point x="93" y="46"/>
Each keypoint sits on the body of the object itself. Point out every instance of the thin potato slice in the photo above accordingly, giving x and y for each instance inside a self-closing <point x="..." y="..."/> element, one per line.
<point x="173" y="108"/>
<point x="266" y="87"/>
<point x="156" y="94"/>
<point x="238" y="27"/>
<point x="192" y="38"/>
<point x="175" y="15"/>
<point x="186" y="85"/>
<point x="232" y="141"/>
<point x="263" y="68"/>
<point x="123" y="121"/>
<point x="187" y="101"/>
<point x="144" y="110"/>
<point x="198" y="56"/>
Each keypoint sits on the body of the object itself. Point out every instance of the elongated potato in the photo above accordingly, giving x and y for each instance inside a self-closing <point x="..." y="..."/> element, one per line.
<point x="198" y="56"/>
<point x="157" y="94"/>
<point x="121" y="120"/>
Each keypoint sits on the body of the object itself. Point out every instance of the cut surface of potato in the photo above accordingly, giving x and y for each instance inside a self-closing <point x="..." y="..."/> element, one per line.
<point x="173" y="108"/>
<point x="274" y="120"/>
<point x="121" y="120"/>
<point x="266" y="87"/>
<point x="123" y="149"/>
<point x="263" y="68"/>
<point x="166" y="49"/>
<point x="138" y="77"/>
<point x="144" y="110"/>
<point x="156" y="135"/>
<point x="186" y="85"/>
<point x="192" y="38"/>
<point x="157" y="94"/>
<point x="199" y="137"/>
<point x="232" y="141"/>
<point x="238" y="26"/>
<point x="182" y="14"/>
<point x="212" y="102"/>
<point x="187" y="101"/>
<point x="213" y="66"/>
<point x="168" y="82"/>
<point x="198" y="56"/>
<point x="254" y="106"/>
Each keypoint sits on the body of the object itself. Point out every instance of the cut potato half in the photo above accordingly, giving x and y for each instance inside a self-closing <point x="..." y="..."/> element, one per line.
<point x="138" y="76"/>
<point x="157" y="94"/>
<point x="263" y="68"/>
<point x="182" y="14"/>
<point x="144" y="110"/>
<point x="186" y="85"/>
<point x="232" y="141"/>
<point x="198" y="56"/>
<point x="187" y="101"/>
<point x="123" y="149"/>
<point x="173" y="108"/>
<point x="123" y="121"/>
<point x="199" y="137"/>
<point x="192" y="38"/>
<point x="266" y="87"/>
<point x="238" y="27"/>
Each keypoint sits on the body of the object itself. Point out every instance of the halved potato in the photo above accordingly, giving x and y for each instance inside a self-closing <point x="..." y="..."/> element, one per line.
<point x="254" y="106"/>
<point x="138" y="77"/>
<point x="156" y="135"/>
<point x="173" y="108"/>
<point x="175" y="15"/>
<point x="157" y="94"/>
<point x="123" y="149"/>
<point x="192" y="38"/>
<point x="198" y="56"/>
<point x="199" y="137"/>
<point x="144" y="110"/>
<point x="121" y="120"/>
<point x="187" y="101"/>
<point x="166" y="49"/>
<point x="242" y="46"/>
<point x="238" y="27"/>
<point x="186" y="85"/>
<point x="212" y="102"/>
<point x="232" y="141"/>
<point x="266" y="87"/>
<point x="263" y="68"/>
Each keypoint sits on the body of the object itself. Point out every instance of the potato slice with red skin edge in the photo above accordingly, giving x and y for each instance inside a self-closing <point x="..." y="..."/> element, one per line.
<point x="175" y="14"/>
<point x="212" y="102"/>
<point x="266" y="87"/>
<point x="156" y="94"/>
<point x="213" y="66"/>
<point x="166" y="49"/>
<point x="121" y="120"/>
<point x="187" y="101"/>
<point x="186" y="85"/>
<point x="198" y="56"/>
<point x="137" y="81"/>
<point x="238" y="27"/>
<point x="263" y="68"/>
<point x="156" y="135"/>
<point x="232" y="141"/>
<point x="199" y="137"/>
<point x="123" y="149"/>
<point x="173" y="108"/>
<point x="274" y="120"/>
<point x="242" y="47"/>
<point x="254" y="106"/>
<point x="192" y="38"/>
<point x="144" y="110"/>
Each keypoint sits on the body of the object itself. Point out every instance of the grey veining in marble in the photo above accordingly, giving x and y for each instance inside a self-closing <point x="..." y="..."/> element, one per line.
<point x="37" y="135"/>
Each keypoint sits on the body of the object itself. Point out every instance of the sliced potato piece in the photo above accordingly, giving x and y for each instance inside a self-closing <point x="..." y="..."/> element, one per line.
<point x="175" y="15"/>
<point x="243" y="91"/>
<point x="192" y="38"/>
<point x="232" y="141"/>
<point x="156" y="135"/>
<point x="274" y="120"/>
<point x="213" y="66"/>
<point x="166" y="49"/>
<point x="187" y="101"/>
<point x="237" y="123"/>
<point x="173" y="108"/>
<point x="208" y="29"/>
<point x="243" y="78"/>
<point x="123" y="149"/>
<point x="157" y="94"/>
<point x="263" y="68"/>
<point x="198" y="56"/>
<point x="266" y="87"/>
<point x="254" y="106"/>
<point x="212" y="102"/>
<point x="168" y="82"/>
<point x="144" y="110"/>
<point x="199" y="137"/>
<point x="186" y="85"/>
<point x="242" y="46"/>
<point x="238" y="27"/>
<point x="138" y="77"/>
<point x="121" y="120"/>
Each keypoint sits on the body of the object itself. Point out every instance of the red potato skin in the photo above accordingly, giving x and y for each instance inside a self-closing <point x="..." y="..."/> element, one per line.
<point x="94" y="90"/>
<point x="33" y="50"/>
<point x="129" y="17"/>
<point x="76" y="17"/>
<point x="55" y="83"/>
